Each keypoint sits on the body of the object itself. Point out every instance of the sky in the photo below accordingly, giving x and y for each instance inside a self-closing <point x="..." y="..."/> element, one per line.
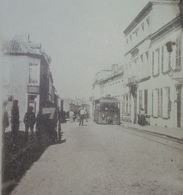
<point x="81" y="36"/>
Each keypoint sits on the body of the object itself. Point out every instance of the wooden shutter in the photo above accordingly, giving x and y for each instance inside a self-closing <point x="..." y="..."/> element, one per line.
<point x="178" y="53"/>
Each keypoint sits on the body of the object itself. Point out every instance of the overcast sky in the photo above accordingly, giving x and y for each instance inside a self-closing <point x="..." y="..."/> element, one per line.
<point x="81" y="36"/>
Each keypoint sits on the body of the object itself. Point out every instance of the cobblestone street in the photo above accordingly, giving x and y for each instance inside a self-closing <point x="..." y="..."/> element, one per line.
<point x="102" y="159"/>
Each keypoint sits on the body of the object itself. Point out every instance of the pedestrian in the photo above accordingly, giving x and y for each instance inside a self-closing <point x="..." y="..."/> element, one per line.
<point x="39" y="125"/>
<point x="61" y="119"/>
<point x="29" y="121"/>
<point x="5" y="118"/>
<point x="15" y="120"/>
<point x="86" y="115"/>
<point x="82" y="114"/>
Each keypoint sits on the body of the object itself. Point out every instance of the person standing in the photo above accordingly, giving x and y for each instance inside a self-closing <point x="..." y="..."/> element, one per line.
<point x="82" y="114"/>
<point x="86" y="115"/>
<point x="29" y="121"/>
<point x="5" y="119"/>
<point x="15" y="120"/>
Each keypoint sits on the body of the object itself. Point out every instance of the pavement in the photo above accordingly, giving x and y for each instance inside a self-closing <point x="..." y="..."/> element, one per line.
<point x="176" y="133"/>
<point x="106" y="160"/>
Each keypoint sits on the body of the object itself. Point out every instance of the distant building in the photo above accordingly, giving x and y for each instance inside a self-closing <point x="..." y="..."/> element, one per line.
<point x="26" y="75"/>
<point x="110" y="84"/>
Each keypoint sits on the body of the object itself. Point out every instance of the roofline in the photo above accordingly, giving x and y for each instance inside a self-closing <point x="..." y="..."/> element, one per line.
<point x="134" y="22"/>
<point x="147" y="8"/>
<point x="175" y="22"/>
<point x="28" y="54"/>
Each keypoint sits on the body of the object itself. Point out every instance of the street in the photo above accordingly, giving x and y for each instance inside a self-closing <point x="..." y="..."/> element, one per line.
<point x="104" y="159"/>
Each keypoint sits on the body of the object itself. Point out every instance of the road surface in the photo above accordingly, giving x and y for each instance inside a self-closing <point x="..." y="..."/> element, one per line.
<point x="106" y="160"/>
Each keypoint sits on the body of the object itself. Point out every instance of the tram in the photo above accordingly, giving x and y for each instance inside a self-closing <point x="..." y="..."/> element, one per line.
<point x="107" y="111"/>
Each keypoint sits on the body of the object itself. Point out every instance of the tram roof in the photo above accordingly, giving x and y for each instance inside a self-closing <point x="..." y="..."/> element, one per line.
<point x="108" y="100"/>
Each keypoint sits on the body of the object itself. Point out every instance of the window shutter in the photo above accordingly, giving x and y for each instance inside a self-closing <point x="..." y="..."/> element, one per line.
<point x="169" y="102"/>
<point x="152" y="102"/>
<point x="153" y="63"/>
<point x="162" y="58"/>
<point x="178" y="53"/>
<point x="159" y="103"/>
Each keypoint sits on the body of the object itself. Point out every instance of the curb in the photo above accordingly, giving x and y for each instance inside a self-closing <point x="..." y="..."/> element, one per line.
<point x="179" y="140"/>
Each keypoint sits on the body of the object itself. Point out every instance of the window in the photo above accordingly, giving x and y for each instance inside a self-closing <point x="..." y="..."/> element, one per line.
<point x="148" y="21"/>
<point x="178" y="53"/>
<point x="141" y="57"/>
<point x="140" y="99"/>
<point x="147" y="55"/>
<point x="160" y="102"/>
<point x="142" y="25"/>
<point x="156" y="62"/>
<point x="155" y="102"/>
<point x="146" y="101"/>
<point x="34" y="74"/>
<point x="166" y="102"/>
<point x="165" y="60"/>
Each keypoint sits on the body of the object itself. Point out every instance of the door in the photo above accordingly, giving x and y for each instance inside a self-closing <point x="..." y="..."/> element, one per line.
<point x="179" y="106"/>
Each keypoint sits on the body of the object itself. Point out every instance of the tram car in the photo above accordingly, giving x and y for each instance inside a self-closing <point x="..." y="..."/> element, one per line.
<point x="107" y="111"/>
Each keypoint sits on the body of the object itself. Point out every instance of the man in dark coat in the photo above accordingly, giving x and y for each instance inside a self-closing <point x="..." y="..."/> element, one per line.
<point x="29" y="121"/>
<point x="15" y="120"/>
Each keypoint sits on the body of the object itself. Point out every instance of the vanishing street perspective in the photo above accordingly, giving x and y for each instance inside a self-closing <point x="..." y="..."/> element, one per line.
<point x="92" y="97"/>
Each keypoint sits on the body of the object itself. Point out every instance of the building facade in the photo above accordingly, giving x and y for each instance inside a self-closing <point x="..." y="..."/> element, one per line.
<point x="153" y="65"/>
<point x="109" y="83"/>
<point x="152" y="76"/>
<point x="26" y="76"/>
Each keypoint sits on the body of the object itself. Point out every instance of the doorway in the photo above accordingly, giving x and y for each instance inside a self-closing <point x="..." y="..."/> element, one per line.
<point x="179" y="105"/>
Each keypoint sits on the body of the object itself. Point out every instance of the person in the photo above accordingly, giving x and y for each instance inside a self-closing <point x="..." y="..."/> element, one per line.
<point x="39" y="125"/>
<point x="5" y="119"/>
<point x="29" y="121"/>
<point x="15" y="120"/>
<point x="62" y="117"/>
<point x="86" y="115"/>
<point x="141" y="117"/>
<point x="71" y="115"/>
<point x="82" y="114"/>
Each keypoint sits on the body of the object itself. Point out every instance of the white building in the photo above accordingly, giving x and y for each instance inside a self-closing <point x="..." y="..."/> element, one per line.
<point x="24" y="75"/>
<point x="109" y="84"/>
<point x="153" y="66"/>
<point x="152" y="73"/>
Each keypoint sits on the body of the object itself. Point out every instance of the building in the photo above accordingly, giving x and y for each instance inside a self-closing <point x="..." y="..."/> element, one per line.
<point x="26" y="75"/>
<point x="151" y="77"/>
<point x="109" y="83"/>
<point x="153" y="65"/>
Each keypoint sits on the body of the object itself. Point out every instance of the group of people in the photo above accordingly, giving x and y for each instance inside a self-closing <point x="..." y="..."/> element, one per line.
<point x="80" y="115"/>
<point x="44" y="123"/>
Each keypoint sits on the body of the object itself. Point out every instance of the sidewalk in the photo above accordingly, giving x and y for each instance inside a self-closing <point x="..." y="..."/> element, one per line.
<point x="169" y="132"/>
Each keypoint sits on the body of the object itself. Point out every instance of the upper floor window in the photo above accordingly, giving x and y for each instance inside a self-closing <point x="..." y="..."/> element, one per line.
<point x="148" y="21"/>
<point x="34" y="74"/>
<point x="127" y="41"/>
<point x="141" y="57"/>
<point x="131" y="37"/>
<point x="142" y="25"/>
<point x="156" y="62"/>
<point x="165" y="60"/>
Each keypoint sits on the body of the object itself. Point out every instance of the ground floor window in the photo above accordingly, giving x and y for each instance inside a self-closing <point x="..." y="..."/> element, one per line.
<point x="155" y="102"/>
<point x="161" y="102"/>
<point x="166" y="102"/>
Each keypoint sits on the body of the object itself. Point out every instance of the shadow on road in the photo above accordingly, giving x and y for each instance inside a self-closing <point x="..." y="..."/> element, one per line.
<point x="16" y="161"/>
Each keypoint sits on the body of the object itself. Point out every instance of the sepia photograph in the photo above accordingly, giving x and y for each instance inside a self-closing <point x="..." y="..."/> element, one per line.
<point x="91" y="97"/>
